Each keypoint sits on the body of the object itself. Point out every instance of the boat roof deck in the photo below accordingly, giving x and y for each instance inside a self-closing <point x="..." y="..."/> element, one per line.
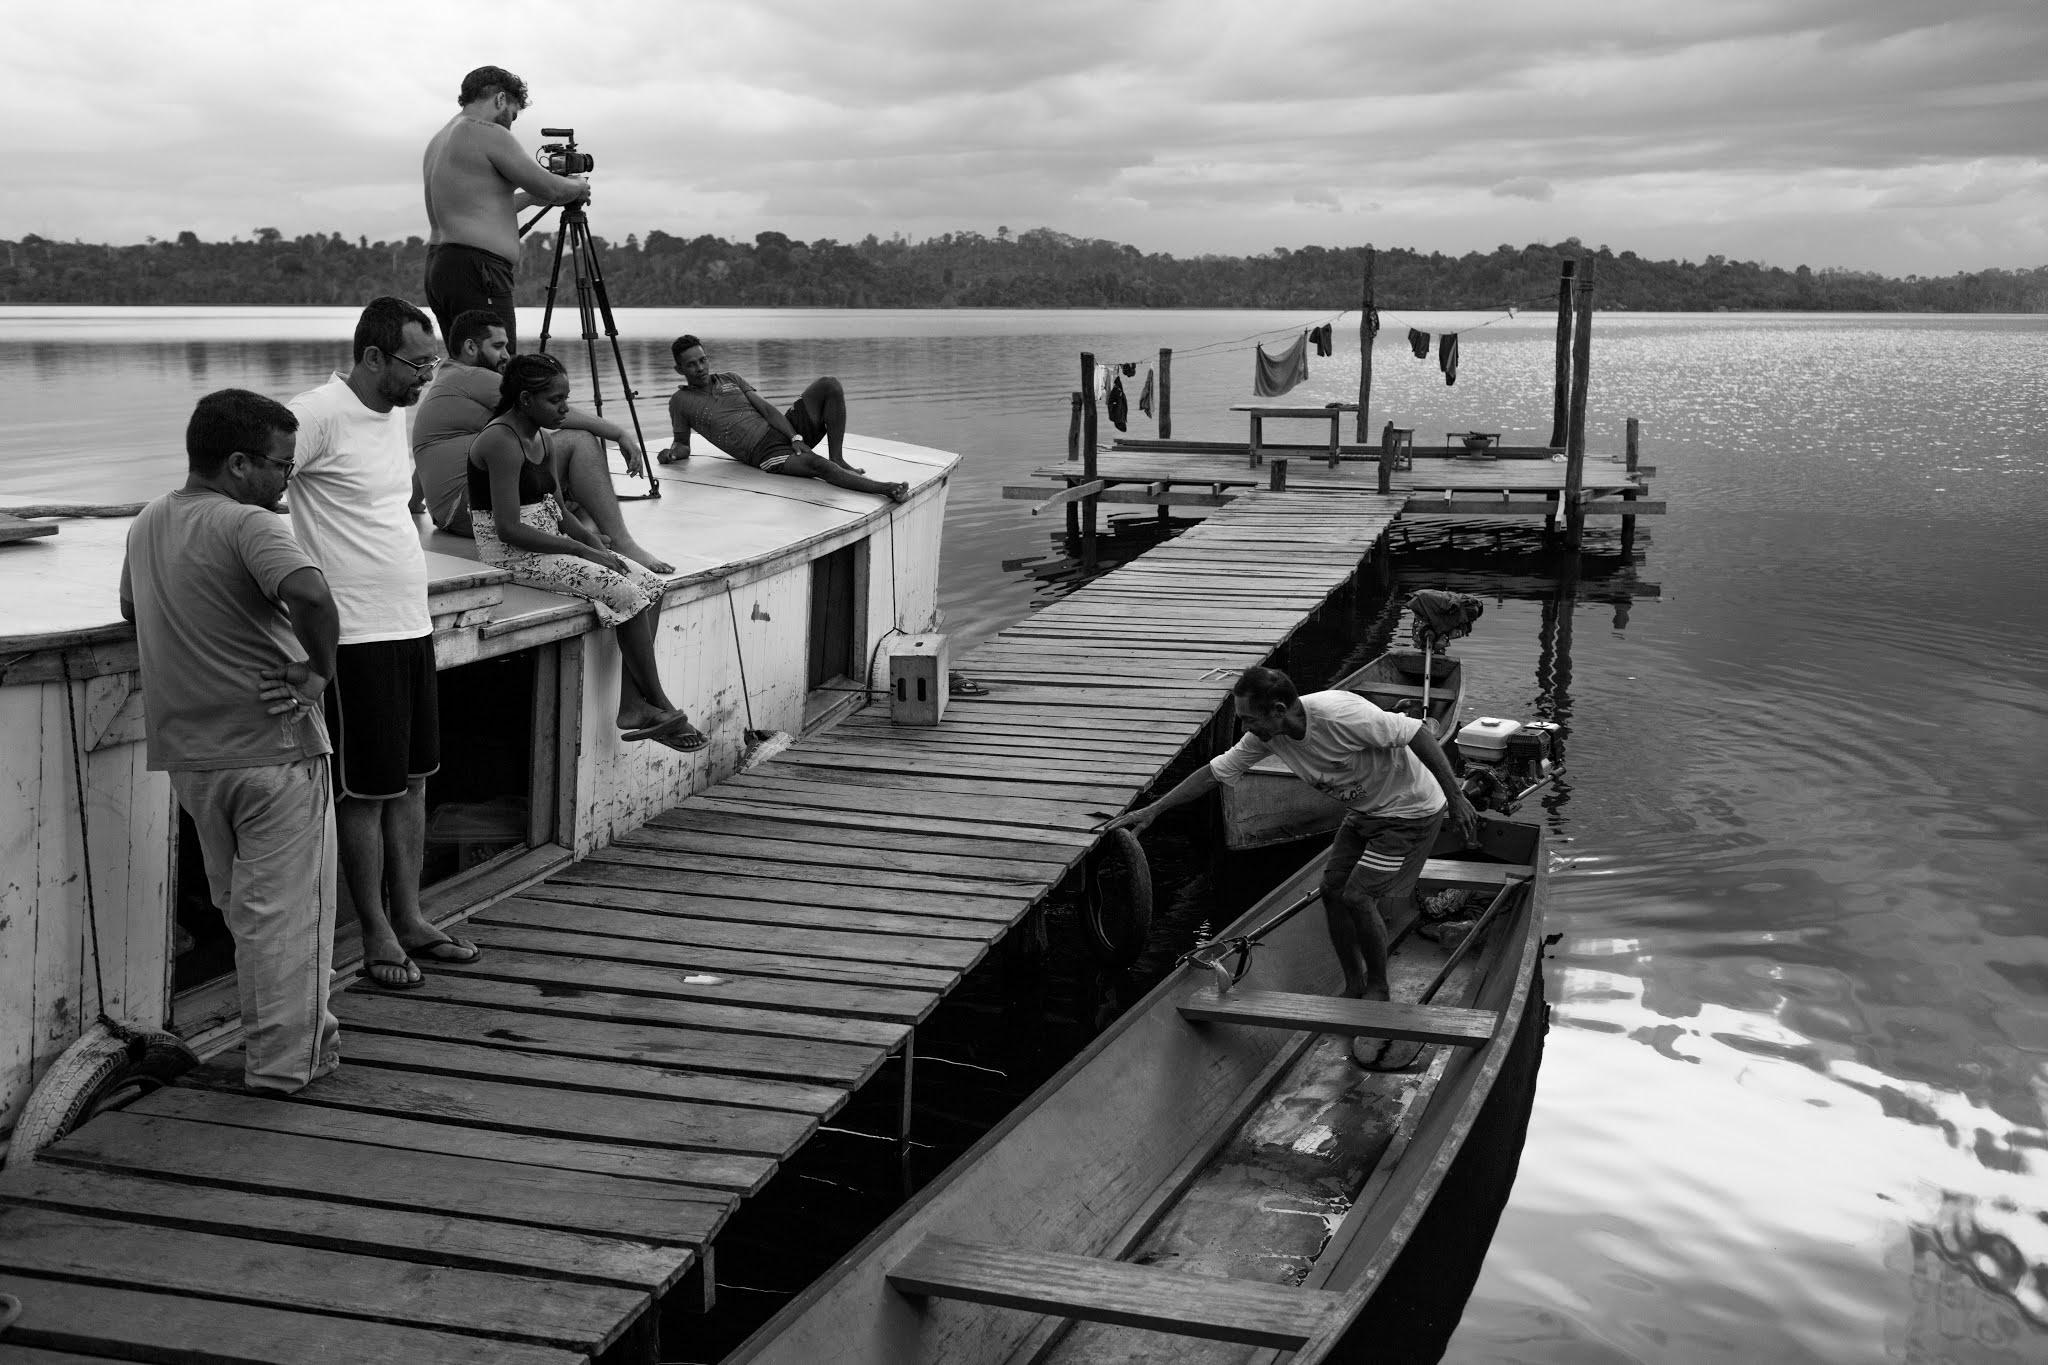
<point x="716" y="517"/>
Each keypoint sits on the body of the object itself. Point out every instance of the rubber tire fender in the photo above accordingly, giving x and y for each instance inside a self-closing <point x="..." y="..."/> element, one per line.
<point x="97" y="1072"/>
<point x="1113" y="940"/>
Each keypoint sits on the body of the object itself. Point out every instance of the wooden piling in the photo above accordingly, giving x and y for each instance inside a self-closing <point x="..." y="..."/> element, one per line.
<point x="1088" y="427"/>
<point x="1634" y="446"/>
<point x="1365" y="339"/>
<point x="1073" y="453"/>
<point x="1165" y="393"/>
<point x="1278" y="482"/>
<point x="1575" y="438"/>
<point x="1560" y="417"/>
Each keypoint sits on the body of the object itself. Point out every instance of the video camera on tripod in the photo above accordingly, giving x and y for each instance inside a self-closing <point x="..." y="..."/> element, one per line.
<point x="562" y="158"/>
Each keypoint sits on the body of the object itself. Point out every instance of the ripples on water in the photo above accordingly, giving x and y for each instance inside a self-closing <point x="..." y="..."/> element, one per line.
<point x="1792" y="1104"/>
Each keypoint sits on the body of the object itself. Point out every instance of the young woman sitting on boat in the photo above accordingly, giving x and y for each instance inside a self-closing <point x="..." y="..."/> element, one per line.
<point x="520" y="525"/>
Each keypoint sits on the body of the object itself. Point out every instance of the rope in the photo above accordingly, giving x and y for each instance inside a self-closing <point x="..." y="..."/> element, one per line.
<point x="739" y="653"/>
<point x="895" y="614"/>
<point x="92" y="914"/>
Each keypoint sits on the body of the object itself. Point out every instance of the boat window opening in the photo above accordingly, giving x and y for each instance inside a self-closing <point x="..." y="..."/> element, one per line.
<point x="477" y="803"/>
<point x="833" y="617"/>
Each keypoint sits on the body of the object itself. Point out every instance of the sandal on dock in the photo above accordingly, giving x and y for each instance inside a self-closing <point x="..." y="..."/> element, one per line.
<point x="960" y="685"/>
<point x="455" y="952"/>
<point x="414" y="978"/>
<point x="673" y="723"/>
<point x="686" y="740"/>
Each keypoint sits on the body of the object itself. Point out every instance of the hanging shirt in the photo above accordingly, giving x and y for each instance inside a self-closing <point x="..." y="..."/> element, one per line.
<point x="1447" y="357"/>
<point x="1273" y="375"/>
<point x="1130" y="369"/>
<point x="1418" y="342"/>
<point x="1372" y="323"/>
<point x="1119" y="406"/>
<point x="1145" y="398"/>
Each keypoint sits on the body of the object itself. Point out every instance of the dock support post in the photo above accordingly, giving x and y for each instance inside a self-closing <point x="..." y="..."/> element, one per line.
<point x="1575" y="441"/>
<point x="1165" y="393"/>
<point x="1560" y="415"/>
<point x="1088" y="426"/>
<point x="903" y="1113"/>
<point x="1278" y="482"/>
<point x="1073" y="453"/>
<point x="1367" y="326"/>
<point x="1388" y="442"/>
<point x="1628" y="524"/>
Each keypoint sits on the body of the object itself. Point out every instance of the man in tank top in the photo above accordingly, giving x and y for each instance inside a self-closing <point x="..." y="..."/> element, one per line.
<point x="726" y="411"/>
<point x="1391" y="774"/>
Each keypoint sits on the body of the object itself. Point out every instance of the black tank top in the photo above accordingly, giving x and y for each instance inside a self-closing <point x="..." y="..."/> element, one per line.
<point x="536" y="481"/>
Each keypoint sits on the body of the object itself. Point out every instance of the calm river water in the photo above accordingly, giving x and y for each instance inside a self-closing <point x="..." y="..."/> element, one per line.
<point x="1792" y="1104"/>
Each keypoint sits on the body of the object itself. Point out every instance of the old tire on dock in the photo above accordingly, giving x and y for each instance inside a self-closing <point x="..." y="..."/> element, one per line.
<point x="1116" y="900"/>
<point x="98" y="1072"/>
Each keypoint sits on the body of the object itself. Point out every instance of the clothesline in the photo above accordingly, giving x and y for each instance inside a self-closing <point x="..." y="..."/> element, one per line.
<point x="1245" y="343"/>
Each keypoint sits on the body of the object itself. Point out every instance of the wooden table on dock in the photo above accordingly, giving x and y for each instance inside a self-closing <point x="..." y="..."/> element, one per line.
<point x="1330" y="412"/>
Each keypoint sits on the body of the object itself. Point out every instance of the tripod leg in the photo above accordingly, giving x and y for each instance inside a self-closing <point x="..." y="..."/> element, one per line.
<point x="611" y="330"/>
<point x="547" y="316"/>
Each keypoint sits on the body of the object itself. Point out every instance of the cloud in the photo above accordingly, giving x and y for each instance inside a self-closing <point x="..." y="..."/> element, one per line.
<point x="1890" y="134"/>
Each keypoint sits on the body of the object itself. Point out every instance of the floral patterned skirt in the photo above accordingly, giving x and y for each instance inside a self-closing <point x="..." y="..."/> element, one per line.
<point x="617" y="596"/>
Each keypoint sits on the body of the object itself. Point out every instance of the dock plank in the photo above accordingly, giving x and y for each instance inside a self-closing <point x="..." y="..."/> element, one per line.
<point x="765" y="916"/>
<point x="778" y="852"/>
<point x="349" y="1172"/>
<point x="788" y="893"/>
<point x="64" y="1316"/>
<point x="828" y="948"/>
<point x="99" y="1249"/>
<point x="642" y="854"/>
<point x="703" y="817"/>
<point x="751" y="967"/>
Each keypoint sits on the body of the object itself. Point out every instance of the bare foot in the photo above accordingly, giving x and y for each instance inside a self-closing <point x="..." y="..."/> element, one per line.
<point x="899" y="492"/>
<point x="853" y="467"/>
<point x="644" y="558"/>
<point x="645" y="717"/>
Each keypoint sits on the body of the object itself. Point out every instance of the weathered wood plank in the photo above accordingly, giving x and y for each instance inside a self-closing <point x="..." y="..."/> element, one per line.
<point x="97" y="1249"/>
<point x="765" y="917"/>
<point x="1115" y="1291"/>
<point x="708" y="867"/>
<point x="1006" y="811"/>
<point x="707" y="1173"/>
<point x="891" y="823"/>
<point x="59" y="1315"/>
<point x="789" y="852"/>
<point x="234" y="1157"/>
<point x="746" y="1054"/>
<point x="808" y="950"/>
<point x="672" y="955"/>
<point x="1352" y="1018"/>
<point x="788" y="893"/>
<point x="1026" y="770"/>
<point x="985" y="784"/>
<point x="699" y="815"/>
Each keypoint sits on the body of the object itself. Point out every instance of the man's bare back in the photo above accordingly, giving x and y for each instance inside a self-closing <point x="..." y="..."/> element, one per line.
<point x="477" y="178"/>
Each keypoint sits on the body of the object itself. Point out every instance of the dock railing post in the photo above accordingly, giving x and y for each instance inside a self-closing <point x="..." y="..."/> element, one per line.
<point x="1575" y="441"/>
<point x="1165" y="393"/>
<point x="1560" y="417"/>
<point x="1365" y="330"/>
<point x="1387" y="446"/>
<point x="1628" y="524"/>
<point x="1088" y="425"/>
<point x="1073" y="453"/>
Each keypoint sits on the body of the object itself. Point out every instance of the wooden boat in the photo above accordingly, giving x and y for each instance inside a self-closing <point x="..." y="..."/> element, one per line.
<point x="1270" y="805"/>
<point x="1214" y="1179"/>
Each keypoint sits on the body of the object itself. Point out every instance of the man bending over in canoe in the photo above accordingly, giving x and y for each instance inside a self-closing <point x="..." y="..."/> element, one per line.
<point x="725" y="409"/>
<point x="1386" y="768"/>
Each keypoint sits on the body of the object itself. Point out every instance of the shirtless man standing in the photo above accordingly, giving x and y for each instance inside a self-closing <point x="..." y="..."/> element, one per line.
<point x="478" y="178"/>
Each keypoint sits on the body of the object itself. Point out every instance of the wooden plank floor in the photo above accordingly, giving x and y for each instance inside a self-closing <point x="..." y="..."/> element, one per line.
<point x="1430" y="474"/>
<point x="519" y="1157"/>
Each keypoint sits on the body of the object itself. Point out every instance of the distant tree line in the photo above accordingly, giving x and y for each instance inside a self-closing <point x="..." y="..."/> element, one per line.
<point x="1040" y="268"/>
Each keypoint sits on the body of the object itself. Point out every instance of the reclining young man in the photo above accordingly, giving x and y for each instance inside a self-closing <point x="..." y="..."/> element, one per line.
<point x="727" y="411"/>
<point x="458" y="404"/>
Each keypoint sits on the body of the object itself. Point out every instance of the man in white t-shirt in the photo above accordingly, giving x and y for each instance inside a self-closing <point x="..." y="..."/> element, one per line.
<point x="349" y="505"/>
<point x="1388" y="769"/>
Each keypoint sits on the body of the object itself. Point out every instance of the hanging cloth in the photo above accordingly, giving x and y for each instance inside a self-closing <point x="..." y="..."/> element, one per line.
<point x="1372" y="323"/>
<point x="1101" y="382"/>
<point x="1119" y="406"/>
<point x="1130" y="368"/>
<point x="1418" y="342"/>
<point x="1441" y="617"/>
<point x="1322" y="339"/>
<point x="1447" y="356"/>
<point x="1145" y="398"/>
<point x="1273" y="375"/>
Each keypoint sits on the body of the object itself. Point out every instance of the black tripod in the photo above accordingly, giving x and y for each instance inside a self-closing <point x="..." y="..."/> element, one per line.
<point x="591" y="300"/>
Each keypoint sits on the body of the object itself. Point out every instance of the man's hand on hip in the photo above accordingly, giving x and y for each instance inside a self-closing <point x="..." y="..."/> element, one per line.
<point x="295" y="687"/>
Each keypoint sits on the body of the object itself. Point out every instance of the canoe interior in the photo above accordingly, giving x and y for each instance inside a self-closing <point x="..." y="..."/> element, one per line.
<point x="1177" y="1144"/>
<point x="1270" y="805"/>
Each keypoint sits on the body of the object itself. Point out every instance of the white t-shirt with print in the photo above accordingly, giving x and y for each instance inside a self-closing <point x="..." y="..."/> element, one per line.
<point x="350" y="501"/>
<point x="1353" y="752"/>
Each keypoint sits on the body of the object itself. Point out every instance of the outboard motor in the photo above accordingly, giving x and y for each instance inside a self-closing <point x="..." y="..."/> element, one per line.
<point x="1507" y="760"/>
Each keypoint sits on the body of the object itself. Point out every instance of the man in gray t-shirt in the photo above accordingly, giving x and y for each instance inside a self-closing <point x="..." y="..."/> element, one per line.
<point x="237" y="634"/>
<point x="726" y="411"/>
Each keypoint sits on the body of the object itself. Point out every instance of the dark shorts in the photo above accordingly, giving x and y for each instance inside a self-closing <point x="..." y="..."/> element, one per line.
<point x="460" y="278"/>
<point x="384" y="716"/>
<point x="1384" y="855"/>
<point x="812" y="429"/>
<point x="770" y="453"/>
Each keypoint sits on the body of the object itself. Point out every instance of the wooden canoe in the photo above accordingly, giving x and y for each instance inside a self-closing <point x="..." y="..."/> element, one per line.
<point x="1270" y="805"/>
<point x="1213" y="1179"/>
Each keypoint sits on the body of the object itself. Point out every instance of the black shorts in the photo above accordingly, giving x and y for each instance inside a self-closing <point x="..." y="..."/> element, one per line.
<point x="770" y="453"/>
<point x="384" y="716"/>
<point x="460" y="278"/>
<point x="811" y="429"/>
<point x="1379" y="856"/>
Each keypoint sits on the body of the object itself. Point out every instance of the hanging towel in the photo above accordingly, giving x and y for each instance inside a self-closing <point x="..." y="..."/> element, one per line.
<point x="1418" y="342"/>
<point x="1119" y="406"/>
<point x="1447" y="356"/>
<point x="1372" y="323"/>
<point x="1130" y="367"/>
<point x="1145" y="398"/>
<point x="1322" y="339"/>
<point x="1273" y="375"/>
<point x="1101" y="382"/>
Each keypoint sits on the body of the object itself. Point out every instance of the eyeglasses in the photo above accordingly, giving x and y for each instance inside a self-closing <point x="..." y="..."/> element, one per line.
<point x="286" y="465"/>
<point x="418" y="367"/>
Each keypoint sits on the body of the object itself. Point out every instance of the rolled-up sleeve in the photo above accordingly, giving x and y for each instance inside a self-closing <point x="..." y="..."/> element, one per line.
<point x="1235" y="761"/>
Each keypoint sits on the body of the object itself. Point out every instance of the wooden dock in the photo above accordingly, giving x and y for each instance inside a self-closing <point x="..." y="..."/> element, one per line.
<point x="519" y="1159"/>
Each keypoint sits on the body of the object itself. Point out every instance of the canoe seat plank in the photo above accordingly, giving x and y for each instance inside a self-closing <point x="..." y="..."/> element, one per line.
<point x="1476" y="876"/>
<point x="1118" y="1292"/>
<point x="1335" y="1014"/>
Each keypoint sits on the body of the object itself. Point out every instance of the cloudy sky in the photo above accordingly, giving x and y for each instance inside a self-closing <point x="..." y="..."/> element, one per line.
<point x="1896" y="135"/>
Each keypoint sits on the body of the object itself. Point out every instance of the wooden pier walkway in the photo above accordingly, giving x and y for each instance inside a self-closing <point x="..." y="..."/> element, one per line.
<point x="518" y="1159"/>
